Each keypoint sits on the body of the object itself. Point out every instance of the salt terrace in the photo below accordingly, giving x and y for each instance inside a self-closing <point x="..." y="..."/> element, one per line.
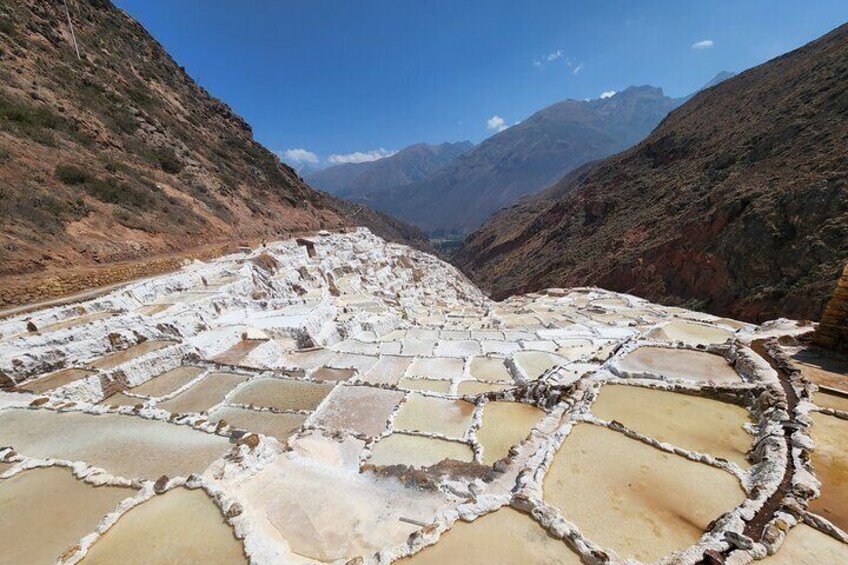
<point x="344" y="399"/>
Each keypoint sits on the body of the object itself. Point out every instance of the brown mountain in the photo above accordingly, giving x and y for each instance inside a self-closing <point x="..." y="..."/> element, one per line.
<point x="737" y="202"/>
<point x="411" y="164"/>
<point x="119" y="155"/>
<point x="525" y="158"/>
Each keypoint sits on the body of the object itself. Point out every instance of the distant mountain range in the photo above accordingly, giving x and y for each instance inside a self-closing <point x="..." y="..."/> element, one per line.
<point x="524" y="159"/>
<point x="353" y="181"/>
<point x="737" y="203"/>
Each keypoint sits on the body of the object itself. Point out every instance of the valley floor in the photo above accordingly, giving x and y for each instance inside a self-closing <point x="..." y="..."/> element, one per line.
<point x="337" y="398"/>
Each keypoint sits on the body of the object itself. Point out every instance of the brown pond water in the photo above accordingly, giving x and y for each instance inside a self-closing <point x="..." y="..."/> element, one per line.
<point x="476" y="387"/>
<point x="55" y="380"/>
<point x="505" y="424"/>
<point x="120" y="357"/>
<point x="126" y="446"/>
<point x="178" y="527"/>
<point x="280" y="426"/>
<point x="830" y="400"/>
<point x="830" y="463"/>
<point x="44" y="512"/>
<point x="235" y="354"/>
<point x="282" y="394"/>
<point x="330" y="374"/>
<point x="203" y="395"/>
<point x="489" y="369"/>
<point x="505" y="536"/>
<point x="680" y="364"/>
<point x="168" y="382"/>
<point x="691" y="422"/>
<point x="658" y="502"/>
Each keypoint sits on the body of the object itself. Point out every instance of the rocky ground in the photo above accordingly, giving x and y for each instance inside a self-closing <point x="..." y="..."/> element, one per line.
<point x="340" y="399"/>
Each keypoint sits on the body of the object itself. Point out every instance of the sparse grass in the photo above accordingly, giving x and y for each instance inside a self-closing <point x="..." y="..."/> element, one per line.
<point x="36" y="122"/>
<point x="71" y="175"/>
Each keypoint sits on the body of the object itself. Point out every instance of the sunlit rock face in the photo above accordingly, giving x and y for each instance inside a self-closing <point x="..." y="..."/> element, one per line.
<point x="337" y="397"/>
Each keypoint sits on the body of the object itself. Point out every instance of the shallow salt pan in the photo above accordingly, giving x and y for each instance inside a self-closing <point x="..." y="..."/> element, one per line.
<point x="282" y="394"/>
<point x="126" y="446"/>
<point x="168" y="382"/>
<point x="431" y="385"/>
<point x="417" y="451"/>
<point x="807" y="546"/>
<point x="120" y="357"/>
<point x="451" y="418"/>
<point x="44" y="512"/>
<point x="680" y="364"/>
<point x="180" y="526"/>
<point x="504" y="536"/>
<point x="658" y="502"/>
<point x="203" y="395"/>
<point x="362" y="409"/>
<point x="691" y="422"/>
<point x="271" y="424"/>
<point x="830" y="463"/>
<point x="55" y="380"/>
<point x="690" y="333"/>
<point x="505" y="424"/>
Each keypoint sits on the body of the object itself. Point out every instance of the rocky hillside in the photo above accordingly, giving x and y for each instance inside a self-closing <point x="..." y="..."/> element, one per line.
<point x="119" y="155"/>
<point x="737" y="202"/>
<point x="526" y="158"/>
<point x="357" y="180"/>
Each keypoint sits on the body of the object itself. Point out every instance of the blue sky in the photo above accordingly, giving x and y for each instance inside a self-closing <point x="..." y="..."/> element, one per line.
<point x="347" y="77"/>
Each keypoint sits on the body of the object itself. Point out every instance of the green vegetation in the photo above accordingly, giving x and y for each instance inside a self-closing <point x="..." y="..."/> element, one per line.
<point x="71" y="175"/>
<point x="36" y="122"/>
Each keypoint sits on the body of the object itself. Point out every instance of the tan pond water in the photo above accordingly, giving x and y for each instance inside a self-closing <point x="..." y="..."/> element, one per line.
<point x="55" y="380"/>
<point x="830" y="463"/>
<point x="807" y="546"/>
<point x="44" y="512"/>
<point x="451" y="418"/>
<point x="489" y="369"/>
<point x="690" y="333"/>
<point x="280" y="426"/>
<point x="178" y="527"/>
<point x="432" y="385"/>
<point x="203" y="395"/>
<point x="76" y="321"/>
<point x="680" y="364"/>
<point x="120" y="357"/>
<point x="126" y="446"/>
<point x="330" y="374"/>
<point x="505" y="424"/>
<point x="282" y="394"/>
<point x="389" y="370"/>
<point x="691" y="422"/>
<point x="152" y="309"/>
<point x="417" y="451"/>
<point x="658" y="502"/>
<point x="476" y="387"/>
<point x="823" y="370"/>
<point x="121" y="399"/>
<point x="830" y="400"/>
<point x="534" y="363"/>
<point x="363" y="409"/>
<point x="505" y="536"/>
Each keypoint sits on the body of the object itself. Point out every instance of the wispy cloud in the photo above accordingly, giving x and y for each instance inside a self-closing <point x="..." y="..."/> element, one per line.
<point x="359" y="156"/>
<point x="704" y="44"/>
<point x="496" y="123"/>
<point x="558" y="55"/>
<point x="298" y="156"/>
<point x="607" y="94"/>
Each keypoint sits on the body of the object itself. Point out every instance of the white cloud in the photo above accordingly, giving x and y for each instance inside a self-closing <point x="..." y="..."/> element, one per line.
<point x="607" y="94"/>
<point x="496" y="123"/>
<point x="299" y="156"/>
<point x="359" y="156"/>
<point x="705" y="44"/>
<point x="554" y="56"/>
<point x="577" y="69"/>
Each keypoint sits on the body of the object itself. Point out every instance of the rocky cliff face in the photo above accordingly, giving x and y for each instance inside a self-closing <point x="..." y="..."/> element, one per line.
<point x="119" y="155"/>
<point x="832" y="331"/>
<point x="737" y="203"/>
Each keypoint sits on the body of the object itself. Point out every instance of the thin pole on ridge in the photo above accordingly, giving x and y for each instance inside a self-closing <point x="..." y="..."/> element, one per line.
<point x="71" y="26"/>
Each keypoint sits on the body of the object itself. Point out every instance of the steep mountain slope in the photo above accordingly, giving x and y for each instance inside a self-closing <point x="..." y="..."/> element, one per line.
<point x="414" y="163"/>
<point x="738" y="201"/>
<point x="525" y="158"/>
<point x="119" y="155"/>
